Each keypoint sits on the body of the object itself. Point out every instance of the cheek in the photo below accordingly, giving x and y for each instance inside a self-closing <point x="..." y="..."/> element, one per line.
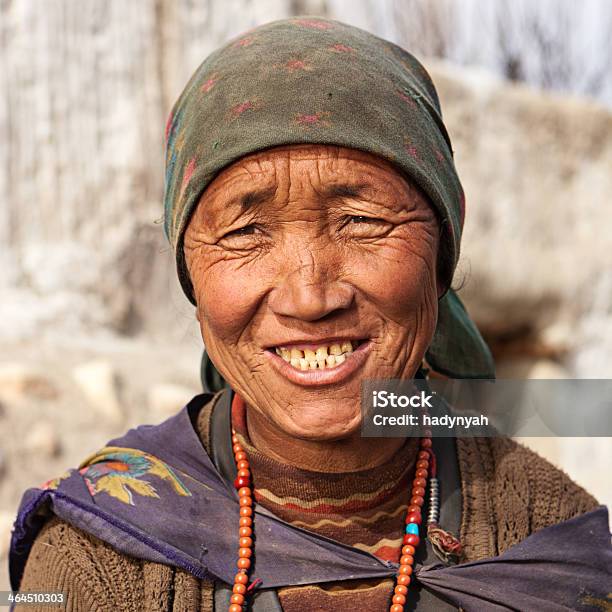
<point x="227" y="299"/>
<point x="402" y="285"/>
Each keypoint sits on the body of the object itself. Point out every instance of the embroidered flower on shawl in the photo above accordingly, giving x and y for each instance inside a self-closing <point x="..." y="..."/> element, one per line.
<point x="55" y="482"/>
<point x="119" y="472"/>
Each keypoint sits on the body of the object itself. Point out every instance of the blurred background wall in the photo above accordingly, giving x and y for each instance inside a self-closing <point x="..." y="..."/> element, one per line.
<point x="94" y="331"/>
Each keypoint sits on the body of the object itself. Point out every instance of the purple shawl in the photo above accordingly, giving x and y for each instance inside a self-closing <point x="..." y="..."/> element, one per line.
<point x="155" y="494"/>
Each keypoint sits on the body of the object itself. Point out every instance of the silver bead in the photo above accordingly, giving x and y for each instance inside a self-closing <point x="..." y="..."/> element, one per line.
<point x="434" y="501"/>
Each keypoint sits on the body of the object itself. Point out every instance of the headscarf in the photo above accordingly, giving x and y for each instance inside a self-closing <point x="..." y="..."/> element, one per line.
<point x="319" y="81"/>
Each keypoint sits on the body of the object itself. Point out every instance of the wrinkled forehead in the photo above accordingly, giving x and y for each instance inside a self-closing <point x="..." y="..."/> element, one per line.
<point x="294" y="170"/>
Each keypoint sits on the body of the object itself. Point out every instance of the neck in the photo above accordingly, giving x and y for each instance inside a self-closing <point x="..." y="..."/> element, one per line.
<point x="350" y="454"/>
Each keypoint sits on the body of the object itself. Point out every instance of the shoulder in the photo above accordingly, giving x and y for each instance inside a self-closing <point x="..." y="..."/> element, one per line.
<point x="87" y="570"/>
<point x="95" y="576"/>
<point x="553" y="495"/>
<point x="510" y="492"/>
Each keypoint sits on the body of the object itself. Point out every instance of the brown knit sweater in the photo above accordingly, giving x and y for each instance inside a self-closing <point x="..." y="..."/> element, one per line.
<point x="508" y="493"/>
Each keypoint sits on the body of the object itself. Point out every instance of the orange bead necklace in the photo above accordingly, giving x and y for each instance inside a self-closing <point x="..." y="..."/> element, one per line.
<point x="425" y="469"/>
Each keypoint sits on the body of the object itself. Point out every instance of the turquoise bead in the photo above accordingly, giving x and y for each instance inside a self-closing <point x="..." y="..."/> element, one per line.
<point x="412" y="528"/>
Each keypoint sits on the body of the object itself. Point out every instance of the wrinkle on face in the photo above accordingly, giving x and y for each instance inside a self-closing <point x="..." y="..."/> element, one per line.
<point x="278" y="247"/>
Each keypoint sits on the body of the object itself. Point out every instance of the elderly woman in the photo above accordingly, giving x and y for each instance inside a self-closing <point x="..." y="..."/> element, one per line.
<point x="316" y="216"/>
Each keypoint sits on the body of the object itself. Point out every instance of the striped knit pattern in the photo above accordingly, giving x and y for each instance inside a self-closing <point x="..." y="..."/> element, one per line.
<point x="365" y="509"/>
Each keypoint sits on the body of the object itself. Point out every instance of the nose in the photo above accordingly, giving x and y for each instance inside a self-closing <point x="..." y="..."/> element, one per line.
<point x="310" y="290"/>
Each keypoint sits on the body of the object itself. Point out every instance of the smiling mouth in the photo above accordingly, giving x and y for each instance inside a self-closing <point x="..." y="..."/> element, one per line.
<point x="318" y="357"/>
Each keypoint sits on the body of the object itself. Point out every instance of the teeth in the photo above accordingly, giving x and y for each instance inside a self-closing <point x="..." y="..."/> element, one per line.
<point x="323" y="357"/>
<point x="335" y="349"/>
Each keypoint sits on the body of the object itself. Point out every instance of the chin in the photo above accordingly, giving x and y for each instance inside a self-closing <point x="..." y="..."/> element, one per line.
<point x="319" y="424"/>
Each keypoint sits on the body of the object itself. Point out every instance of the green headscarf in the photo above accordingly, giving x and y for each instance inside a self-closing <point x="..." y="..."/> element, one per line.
<point x="318" y="81"/>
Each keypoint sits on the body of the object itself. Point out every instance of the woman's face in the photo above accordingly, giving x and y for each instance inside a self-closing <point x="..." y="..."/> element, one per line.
<point x="314" y="268"/>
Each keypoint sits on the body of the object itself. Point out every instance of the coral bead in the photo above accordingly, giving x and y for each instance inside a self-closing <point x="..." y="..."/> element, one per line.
<point x="421" y="473"/>
<point x="237" y="448"/>
<point x="246" y="501"/>
<point x="246" y="521"/>
<point x="406" y="560"/>
<point x="407" y="550"/>
<point x="243" y="563"/>
<point x="419" y="482"/>
<point x="418" y="491"/>
<point x="244" y="473"/>
<point x="423" y="455"/>
<point x="235" y="439"/>
<point x="242" y="482"/>
<point x="405" y="570"/>
<point x="245" y="532"/>
<point x="417" y="500"/>
<point x="246" y="511"/>
<point x="242" y="465"/>
<point x="242" y="456"/>
<point x="414" y="517"/>
<point x="423" y="463"/>
<point x="239" y="588"/>
<point x="403" y="580"/>
<point x="244" y="492"/>
<point x="237" y="598"/>
<point x="399" y="599"/>
<point x="426" y="443"/>
<point x="412" y="509"/>
<point x="400" y="589"/>
<point x="245" y="542"/>
<point x="245" y="553"/>
<point x="412" y="539"/>
<point x="235" y="608"/>
<point x="241" y="578"/>
<point x="396" y="608"/>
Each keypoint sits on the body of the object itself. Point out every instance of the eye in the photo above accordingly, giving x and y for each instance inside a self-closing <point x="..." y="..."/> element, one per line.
<point x="364" y="227"/>
<point x="363" y="219"/>
<point x="247" y="230"/>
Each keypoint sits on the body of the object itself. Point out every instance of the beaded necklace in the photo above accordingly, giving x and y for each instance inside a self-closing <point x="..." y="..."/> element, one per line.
<point x="425" y="470"/>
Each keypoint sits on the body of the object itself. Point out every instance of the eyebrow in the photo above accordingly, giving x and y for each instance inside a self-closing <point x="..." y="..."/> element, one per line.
<point x="253" y="198"/>
<point x="259" y="196"/>
<point x="344" y="190"/>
